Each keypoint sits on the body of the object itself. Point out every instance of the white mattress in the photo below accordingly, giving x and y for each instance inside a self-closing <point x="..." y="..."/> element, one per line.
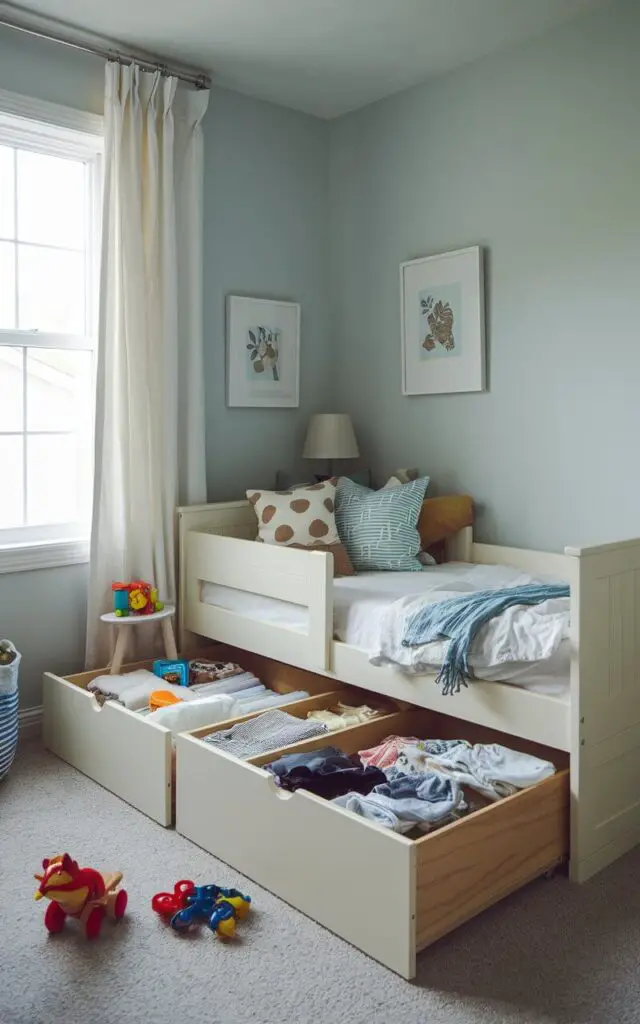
<point x="362" y="606"/>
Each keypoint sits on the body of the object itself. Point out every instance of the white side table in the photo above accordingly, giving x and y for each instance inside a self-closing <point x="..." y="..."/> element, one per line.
<point x="122" y="624"/>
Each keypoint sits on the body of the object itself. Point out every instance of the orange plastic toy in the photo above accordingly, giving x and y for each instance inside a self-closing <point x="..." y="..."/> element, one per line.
<point x="77" y="892"/>
<point x="162" y="699"/>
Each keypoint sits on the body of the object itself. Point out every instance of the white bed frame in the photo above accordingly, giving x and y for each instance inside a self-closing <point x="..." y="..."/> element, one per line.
<point x="599" y="725"/>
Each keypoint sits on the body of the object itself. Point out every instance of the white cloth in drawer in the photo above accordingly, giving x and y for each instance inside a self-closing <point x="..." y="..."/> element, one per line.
<point x="193" y="714"/>
<point x="133" y="689"/>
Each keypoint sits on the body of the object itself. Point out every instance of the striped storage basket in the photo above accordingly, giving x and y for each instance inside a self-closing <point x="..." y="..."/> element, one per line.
<point x="8" y="713"/>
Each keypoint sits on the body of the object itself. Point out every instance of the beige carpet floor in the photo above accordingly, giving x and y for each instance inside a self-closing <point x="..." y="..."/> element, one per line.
<point x="551" y="953"/>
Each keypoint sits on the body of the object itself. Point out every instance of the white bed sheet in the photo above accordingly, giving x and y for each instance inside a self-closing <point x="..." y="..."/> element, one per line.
<point x="366" y="604"/>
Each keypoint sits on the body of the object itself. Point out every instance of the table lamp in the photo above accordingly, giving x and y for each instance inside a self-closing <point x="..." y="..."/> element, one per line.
<point x="330" y="436"/>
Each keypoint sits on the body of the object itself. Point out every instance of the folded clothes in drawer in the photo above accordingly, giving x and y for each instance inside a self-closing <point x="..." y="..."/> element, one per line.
<point x="302" y="720"/>
<point x="218" y="692"/>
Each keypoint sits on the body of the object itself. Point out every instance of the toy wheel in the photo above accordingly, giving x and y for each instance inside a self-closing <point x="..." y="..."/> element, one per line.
<point x="54" y="918"/>
<point x="183" y="921"/>
<point x="94" y="923"/>
<point x="120" y="904"/>
<point x="226" y="929"/>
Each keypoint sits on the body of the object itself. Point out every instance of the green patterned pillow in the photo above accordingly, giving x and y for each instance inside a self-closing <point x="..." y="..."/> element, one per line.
<point x="379" y="528"/>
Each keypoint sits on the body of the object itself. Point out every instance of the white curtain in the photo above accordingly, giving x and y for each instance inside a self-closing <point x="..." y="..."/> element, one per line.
<point x="150" y="444"/>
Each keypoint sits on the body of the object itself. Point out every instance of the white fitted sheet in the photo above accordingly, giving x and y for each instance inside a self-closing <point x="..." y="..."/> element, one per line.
<point x="364" y="606"/>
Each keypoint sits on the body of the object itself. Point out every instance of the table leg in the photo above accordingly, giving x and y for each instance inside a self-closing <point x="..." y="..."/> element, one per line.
<point x="170" y="648"/>
<point x="118" y="654"/>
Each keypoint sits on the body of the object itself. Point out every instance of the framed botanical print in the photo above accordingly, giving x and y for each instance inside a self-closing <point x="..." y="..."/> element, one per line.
<point x="442" y="318"/>
<point x="263" y="352"/>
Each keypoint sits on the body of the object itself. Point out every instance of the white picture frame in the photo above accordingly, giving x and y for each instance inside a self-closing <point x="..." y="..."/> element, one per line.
<point x="263" y="333"/>
<point x="442" y="323"/>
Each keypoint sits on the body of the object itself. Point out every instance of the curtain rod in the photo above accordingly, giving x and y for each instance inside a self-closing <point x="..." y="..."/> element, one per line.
<point x="14" y="17"/>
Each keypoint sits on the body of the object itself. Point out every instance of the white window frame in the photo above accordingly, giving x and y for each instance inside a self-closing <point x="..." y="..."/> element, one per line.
<point x="54" y="129"/>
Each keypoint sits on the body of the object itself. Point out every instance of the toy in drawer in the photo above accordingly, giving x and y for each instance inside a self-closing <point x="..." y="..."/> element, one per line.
<point x="333" y="865"/>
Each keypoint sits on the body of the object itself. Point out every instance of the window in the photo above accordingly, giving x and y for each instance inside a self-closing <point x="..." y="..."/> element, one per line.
<point x="49" y="250"/>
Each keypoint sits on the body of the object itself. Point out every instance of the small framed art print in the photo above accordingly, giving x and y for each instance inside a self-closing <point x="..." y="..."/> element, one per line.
<point x="263" y="352"/>
<point x="442" y="317"/>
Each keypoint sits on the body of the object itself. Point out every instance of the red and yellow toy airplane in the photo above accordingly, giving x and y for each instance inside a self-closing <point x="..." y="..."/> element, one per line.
<point x="77" y="892"/>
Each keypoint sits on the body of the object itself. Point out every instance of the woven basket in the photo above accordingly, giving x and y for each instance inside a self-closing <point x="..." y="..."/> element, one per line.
<point x="8" y="714"/>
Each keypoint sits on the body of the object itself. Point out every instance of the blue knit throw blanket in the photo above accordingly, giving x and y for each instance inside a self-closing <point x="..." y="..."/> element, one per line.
<point x="459" y="619"/>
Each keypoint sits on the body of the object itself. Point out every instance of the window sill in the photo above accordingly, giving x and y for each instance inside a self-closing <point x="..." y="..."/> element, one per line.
<point x="43" y="555"/>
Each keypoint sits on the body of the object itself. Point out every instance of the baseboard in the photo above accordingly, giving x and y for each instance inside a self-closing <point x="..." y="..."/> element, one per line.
<point x="30" y="722"/>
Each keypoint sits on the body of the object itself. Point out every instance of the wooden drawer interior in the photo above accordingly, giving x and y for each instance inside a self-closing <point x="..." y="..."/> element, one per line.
<point x="275" y="675"/>
<point x="350" y="695"/>
<point x="448" y="875"/>
<point x="466" y="866"/>
<point x="463" y="868"/>
<point x="417" y="722"/>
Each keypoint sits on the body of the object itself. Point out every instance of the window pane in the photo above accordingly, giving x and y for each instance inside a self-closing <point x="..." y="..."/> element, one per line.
<point x="51" y="200"/>
<point x="52" y="479"/>
<point x="50" y="290"/>
<point x="11" y="490"/>
<point x="58" y="389"/>
<point x="11" y="389"/>
<point x="7" y="285"/>
<point x="7" y="195"/>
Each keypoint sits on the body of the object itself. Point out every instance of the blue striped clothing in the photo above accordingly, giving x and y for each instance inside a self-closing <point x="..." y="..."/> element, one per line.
<point x="8" y="730"/>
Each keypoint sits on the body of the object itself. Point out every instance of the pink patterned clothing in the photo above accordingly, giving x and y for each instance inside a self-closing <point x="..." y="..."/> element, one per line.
<point x="386" y="753"/>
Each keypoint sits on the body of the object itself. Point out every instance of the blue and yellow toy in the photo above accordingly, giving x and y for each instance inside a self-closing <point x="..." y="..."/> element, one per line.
<point x="190" y="904"/>
<point x="176" y="672"/>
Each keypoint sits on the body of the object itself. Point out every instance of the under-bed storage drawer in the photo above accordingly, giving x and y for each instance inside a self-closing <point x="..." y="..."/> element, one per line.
<point x="120" y="749"/>
<point x="124" y="751"/>
<point x="387" y="894"/>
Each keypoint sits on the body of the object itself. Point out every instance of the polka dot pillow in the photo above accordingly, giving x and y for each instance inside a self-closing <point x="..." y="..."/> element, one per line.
<point x="302" y="518"/>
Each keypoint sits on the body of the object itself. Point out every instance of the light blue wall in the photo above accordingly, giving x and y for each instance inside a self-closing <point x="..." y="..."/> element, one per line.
<point x="534" y="154"/>
<point x="266" y="233"/>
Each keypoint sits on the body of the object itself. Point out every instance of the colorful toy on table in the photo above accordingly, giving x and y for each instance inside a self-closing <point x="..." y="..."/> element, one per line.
<point x="189" y="904"/>
<point x="135" y="598"/>
<point x="78" y="892"/>
<point x="176" y="672"/>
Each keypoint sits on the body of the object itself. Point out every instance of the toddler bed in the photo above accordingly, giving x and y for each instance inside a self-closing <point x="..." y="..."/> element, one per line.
<point x="594" y="716"/>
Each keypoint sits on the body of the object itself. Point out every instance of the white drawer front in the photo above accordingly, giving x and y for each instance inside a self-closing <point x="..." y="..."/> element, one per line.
<point x="118" y="748"/>
<point x="352" y="877"/>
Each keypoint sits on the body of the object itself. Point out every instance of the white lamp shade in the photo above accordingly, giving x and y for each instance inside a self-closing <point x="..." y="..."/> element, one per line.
<point x="330" y="436"/>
